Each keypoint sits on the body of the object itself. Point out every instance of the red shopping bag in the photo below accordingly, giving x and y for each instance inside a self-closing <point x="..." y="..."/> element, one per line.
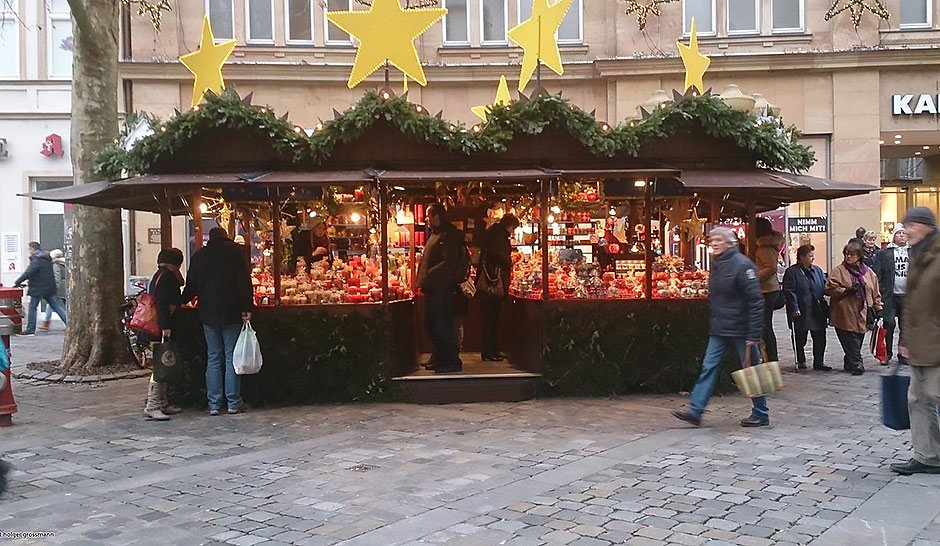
<point x="881" y="346"/>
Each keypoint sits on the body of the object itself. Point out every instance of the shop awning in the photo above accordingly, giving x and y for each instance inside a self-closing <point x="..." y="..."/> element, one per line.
<point x="770" y="185"/>
<point x="513" y="175"/>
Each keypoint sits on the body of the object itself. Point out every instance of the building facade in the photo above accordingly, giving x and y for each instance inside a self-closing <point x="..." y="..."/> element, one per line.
<point x="838" y="85"/>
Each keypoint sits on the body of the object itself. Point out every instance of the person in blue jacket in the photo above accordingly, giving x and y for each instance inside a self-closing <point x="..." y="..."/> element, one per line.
<point x="736" y="319"/>
<point x="807" y="310"/>
<point x="41" y="279"/>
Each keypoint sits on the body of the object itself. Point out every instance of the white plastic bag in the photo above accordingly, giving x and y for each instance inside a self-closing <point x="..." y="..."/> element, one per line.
<point x="247" y="356"/>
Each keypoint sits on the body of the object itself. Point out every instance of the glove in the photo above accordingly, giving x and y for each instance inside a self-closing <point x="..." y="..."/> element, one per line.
<point x="851" y="291"/>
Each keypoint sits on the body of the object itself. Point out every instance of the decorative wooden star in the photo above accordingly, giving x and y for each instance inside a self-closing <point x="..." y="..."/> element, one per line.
<point x="536" y="37"/>
<point x="502" y="97"/>
<point x="856" y="8"/>
<point x="644" y="10"/>
<point x="695" y="63"/>
<point x="206" y="63"/>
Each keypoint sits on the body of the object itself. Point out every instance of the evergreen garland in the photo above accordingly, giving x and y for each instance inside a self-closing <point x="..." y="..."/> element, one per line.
<point x="775" y="145"/>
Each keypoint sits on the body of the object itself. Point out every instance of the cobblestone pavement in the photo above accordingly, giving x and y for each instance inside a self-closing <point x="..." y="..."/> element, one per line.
<point x="554" y="471"/>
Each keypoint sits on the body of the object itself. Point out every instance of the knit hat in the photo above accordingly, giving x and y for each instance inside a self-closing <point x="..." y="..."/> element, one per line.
<point x="921" y="215"/>
<point x="56" y="254"/>
<point x="170" y="256"/>
<point x="897" y="228"/>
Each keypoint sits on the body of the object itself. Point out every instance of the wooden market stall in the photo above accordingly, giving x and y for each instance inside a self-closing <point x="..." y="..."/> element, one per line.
<point x="609" y="289"/>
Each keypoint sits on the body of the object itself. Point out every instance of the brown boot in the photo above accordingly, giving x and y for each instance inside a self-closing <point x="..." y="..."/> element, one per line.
<point x="152" y="409"/>
<point x="43" y="325"/>
<point x="165" y="406"/>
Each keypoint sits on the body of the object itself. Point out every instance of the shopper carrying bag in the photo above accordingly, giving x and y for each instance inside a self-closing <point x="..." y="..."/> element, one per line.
<point x="247" y="357"/>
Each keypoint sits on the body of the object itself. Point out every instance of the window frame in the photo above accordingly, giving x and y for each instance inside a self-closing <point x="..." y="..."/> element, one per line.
<point x="258" y="41"/>
<point x="326" y="26"/>
<point x="51" y="18"/>
<point x="505" y="40"/>
<point x="209" y="13"/>
<point x="17" y="66"/>
<point x="800" y="30"/>
<point x="917" y="26"/>
<point x="561" y="41"/>
<point x="461" y="43"/>
<point x="293" y="41"/>
<point x="748" y="32"/>
<point x="686" y="32"/>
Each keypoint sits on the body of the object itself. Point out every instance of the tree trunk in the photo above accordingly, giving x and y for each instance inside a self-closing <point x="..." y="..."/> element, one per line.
<point x="93" y="337"/>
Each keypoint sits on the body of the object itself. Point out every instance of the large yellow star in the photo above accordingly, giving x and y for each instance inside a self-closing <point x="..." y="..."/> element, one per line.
<point x="206" y="63"/>
<point x="536" y="36"/>
<point x="502" y="97"/>
<point x="386" y="33"/>
<point x="695" y="63"/>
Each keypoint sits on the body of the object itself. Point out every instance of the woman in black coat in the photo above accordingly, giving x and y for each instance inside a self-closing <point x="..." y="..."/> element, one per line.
<point x="165" y="288"/>
<point x="495" y="263"/>
<point x="803" y="284"/>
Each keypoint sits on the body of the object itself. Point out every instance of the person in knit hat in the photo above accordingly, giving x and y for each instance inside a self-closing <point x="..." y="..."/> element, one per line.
<point x="165" y="288"/>
<point x="891" y="268"/>
<point x="920" y="341"/>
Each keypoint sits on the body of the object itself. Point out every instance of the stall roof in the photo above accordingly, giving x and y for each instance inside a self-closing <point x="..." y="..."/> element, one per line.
<point x="783" y="187"/>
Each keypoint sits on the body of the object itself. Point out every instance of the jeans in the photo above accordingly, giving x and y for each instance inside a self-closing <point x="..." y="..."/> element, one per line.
<point x="769" y="337"/>
<point x="852" y="347"/>
<point x="441" y="324"/>
<point x="49" y="308"/>
<point x="220" y="342"/>
<point x="922" y="401"/>
<point x="491" y="308"/>
<point x="711" y="367"/>
<point x="819" y="345"/>
<point x="894" y="310"/>
<point x="51" y="301"/>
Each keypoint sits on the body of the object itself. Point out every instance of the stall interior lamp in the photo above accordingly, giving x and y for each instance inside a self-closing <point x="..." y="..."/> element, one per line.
<point x="203" y="208"/>
<point x="551" y="219"/>
<point x="613" y="211"/>
<point x="556" y="209"/>
<point x="355" y="217"/>
<point x="639" y="183"/>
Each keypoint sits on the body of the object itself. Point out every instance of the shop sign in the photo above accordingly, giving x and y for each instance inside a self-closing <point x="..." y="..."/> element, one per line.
<point x="52" y="146"/>
<point x="808" y="224"/>
<point x="3" y="148"/>
<point x="906" y="104"/>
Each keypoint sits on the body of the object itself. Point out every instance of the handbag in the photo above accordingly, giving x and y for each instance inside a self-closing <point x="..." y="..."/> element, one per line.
<point x="145" y="317"/>
<point x="758" y="380"/>
<point x="877" y="330"/>
<point x="165" y="368"/>
<point x="778" y="300"/>
<point x="490" y="286"/>
<point x="468" y="288"/>
<point x="881" y="346"/>
<point x="894" y="412"/>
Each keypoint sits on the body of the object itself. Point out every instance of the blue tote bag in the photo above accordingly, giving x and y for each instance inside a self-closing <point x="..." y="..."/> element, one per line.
<point x="894" y="412"/>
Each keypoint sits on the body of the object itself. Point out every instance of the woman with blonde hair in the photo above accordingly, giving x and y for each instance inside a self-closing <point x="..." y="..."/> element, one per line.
<point x="856" y="302"/>
<point x="871" y="248"/>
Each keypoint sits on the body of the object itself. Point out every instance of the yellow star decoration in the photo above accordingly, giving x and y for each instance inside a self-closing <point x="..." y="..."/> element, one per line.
<point x="502" y="97"/>
<point x="536" y="36"/>
<point x="206" y="63"/>
<point x="695" y="63"/>
<point x="386" y="32"/>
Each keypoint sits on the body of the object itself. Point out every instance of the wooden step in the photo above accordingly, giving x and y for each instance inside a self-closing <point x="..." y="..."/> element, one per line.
<point x="478" y="382"/>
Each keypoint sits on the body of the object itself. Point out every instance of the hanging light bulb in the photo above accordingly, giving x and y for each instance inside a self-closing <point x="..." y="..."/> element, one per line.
<point x="355" y="217"/>
<point x="612" y="211"/>
<point x="556" y="209"/>
<point x="203" y="208"/>
<point x="551" y="219"/>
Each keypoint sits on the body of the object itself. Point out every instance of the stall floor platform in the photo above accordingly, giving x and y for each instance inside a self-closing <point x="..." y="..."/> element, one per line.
<point x="478" y="382"/>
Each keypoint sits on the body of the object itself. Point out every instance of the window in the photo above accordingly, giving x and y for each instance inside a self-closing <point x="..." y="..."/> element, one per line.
<point x="742" y="17"/>
<point x="704" y="13"/>
<point x="457" y="22"/>
<point x="60" y="40"/>
<point x="298" y="15"/>
<point x="333" y="33"/>
<point x="260" y="21"/>
<point x="788" y="15"/>
<point x="9" y="44"/>
<point x="494" y="21"/>
<point x="570" y="29"/>
<point x="222" y="17"/>
<point x="915" y="13"/>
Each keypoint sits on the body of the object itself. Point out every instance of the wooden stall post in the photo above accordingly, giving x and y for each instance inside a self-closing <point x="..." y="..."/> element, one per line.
<point x="166" y="227"/>
<point x="278" y="257"/>
<point x="648" y="224"/>
<point x="751" y="208"/>
<point x="383" y="233"/>
<point x="231" y="225"/>
<point x="543" y="235"/>
<point x="715" y="216"/>
<point x="197" y="218"/>
<point x="246" y="226"/>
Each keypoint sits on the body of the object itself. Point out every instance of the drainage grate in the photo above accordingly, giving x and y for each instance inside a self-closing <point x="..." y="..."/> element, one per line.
<point x="363" y="468"/>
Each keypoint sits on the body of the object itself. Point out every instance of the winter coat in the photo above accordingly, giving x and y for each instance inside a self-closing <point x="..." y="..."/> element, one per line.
<point x="766" y="259"/>
<point x="736" y="305"/>
<point x="40" y="276"/>
<point x="219" y="277"/>
<point x="61" y="274"/>
<point x="802" y="288"/>
<point x="885" y="265"/>
<point x="165" y="287"/>
<point x="920" y="325"/>
<point x="497" y="253"/>
<point x="441" y="263"/>
<point x="844" y="311"/>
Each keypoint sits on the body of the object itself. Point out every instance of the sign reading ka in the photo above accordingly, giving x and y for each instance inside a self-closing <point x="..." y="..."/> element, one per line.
<point x="905" y="104"/>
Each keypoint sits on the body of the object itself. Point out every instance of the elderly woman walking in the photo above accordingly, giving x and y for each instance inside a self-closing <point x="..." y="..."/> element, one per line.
<point x="856" y="302"/>
<point x="807" y="310"/>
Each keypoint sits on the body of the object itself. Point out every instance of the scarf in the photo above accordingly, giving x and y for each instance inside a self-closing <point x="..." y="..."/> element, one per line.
<point x="858" y="274"/>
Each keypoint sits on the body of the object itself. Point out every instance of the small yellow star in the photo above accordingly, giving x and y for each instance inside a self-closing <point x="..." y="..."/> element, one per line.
<point x="386" y="32"/>
<point x="536" y="36"/>
<point x="695" y="63"/>
<point x="502" y="97"/>
<point x="206" y="63"/>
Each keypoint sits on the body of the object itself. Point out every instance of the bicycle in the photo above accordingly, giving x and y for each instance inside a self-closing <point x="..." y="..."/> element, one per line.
<point x="140" y="351"/>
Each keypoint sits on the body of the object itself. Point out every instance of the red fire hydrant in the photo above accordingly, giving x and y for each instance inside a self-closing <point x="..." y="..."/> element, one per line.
<point x="10" y="318"/>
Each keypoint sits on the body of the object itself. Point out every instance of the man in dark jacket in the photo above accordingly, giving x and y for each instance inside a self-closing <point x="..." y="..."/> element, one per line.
<point x="42" y="286"/>
<point x="891" y="268"/>
<point x="219" y="277"/>
<point x="495" y="266"/>
<point x="735" y="320"/>
<point x="439" y="276"/>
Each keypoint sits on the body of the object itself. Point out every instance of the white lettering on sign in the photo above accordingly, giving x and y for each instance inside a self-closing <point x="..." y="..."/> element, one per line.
<point x="906" y="105"/>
